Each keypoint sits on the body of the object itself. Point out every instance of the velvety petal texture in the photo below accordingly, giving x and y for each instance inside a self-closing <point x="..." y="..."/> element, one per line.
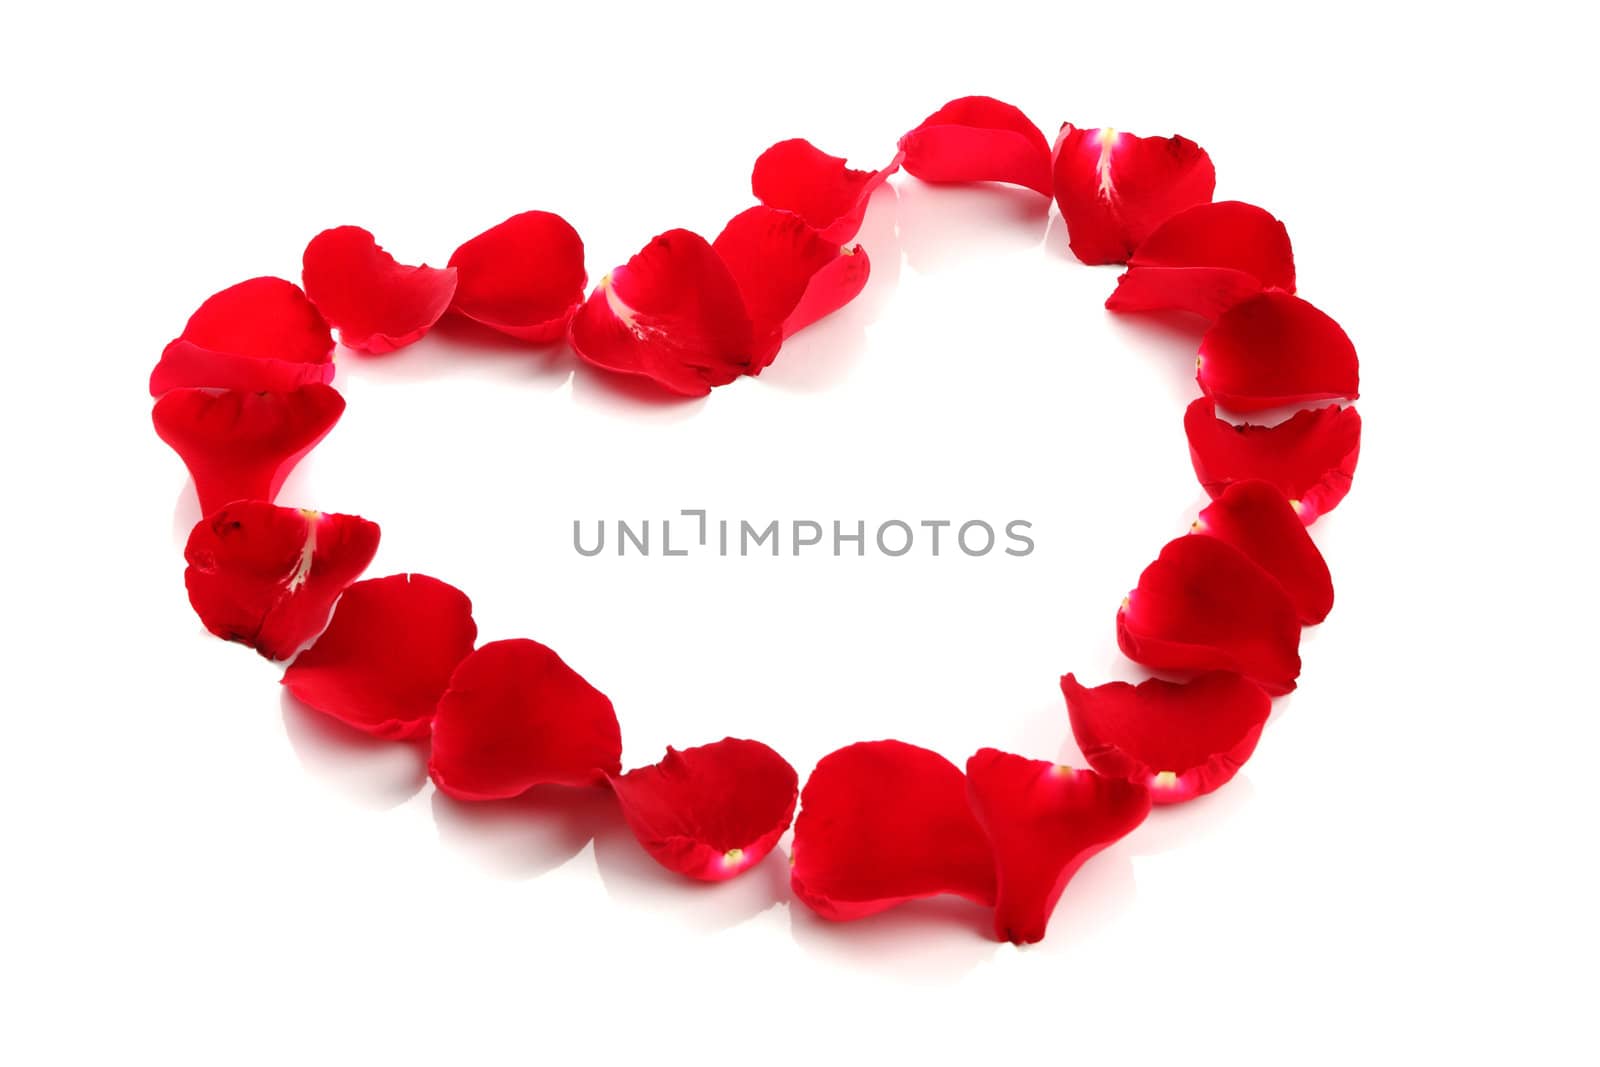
<point x="883" y="822"/>
<point x="1206" y="259"/>
<point x="1043" y="821"/>
<point x="798" y="177"/>
<point x="1258" y="520"/>
<point x="713" y="811"/>
<point x="267" y="576"/>
<point x="1179" y="740"/>
<point x="1310" y="457"/>
<point x="377" y="304"/>
<point x="524" y="277"/>
<point x="1275" y="349"/>
<point x="1114" y="189"/>
<point x="259" y="334"/>
<point x="515" y="716"/>
<point x="241" y="445"/>
<point x="387" y="655"/>
<point x="978" y="139"/>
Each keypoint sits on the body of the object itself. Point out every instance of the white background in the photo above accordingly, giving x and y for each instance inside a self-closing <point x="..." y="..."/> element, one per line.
<point x="198" y="872"/>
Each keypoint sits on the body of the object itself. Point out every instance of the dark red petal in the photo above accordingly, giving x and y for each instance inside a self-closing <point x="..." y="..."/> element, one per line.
<point x="1206" y="259"/>
<point x="515" y="716"/>
<point x="1114" y="189"/>
<point x="268" y="576"/>
<point x="978" y="139"/>
<point x="1311" y="457"/>
<point x="883" y="822"/>
<point x="713" y="811"/>
<point x="387" y="655"/>
<point x="376" y="304"/>
<point x="798" y="177"/>
<point x="1275" y="349"/>
<point x="524" y="277"/>
<point x="1179" y="740"/>
<point x="673" y="314"/>
<point x="239" y="445"/>
<point x="1257" y="519"/>
<point x="1203" y="606"/>
<point x="259" y="334"/>
<point x="1043" y="821"/>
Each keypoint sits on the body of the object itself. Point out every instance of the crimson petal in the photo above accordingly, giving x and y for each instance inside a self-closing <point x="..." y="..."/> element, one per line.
<point x="713" y="811"/>
<point x="1179" y="740"/>
<point x="387" y="655"/>
<point x="1114" y="189"/>
<point x="524" y="277"/>
<point x="799" y="177"/>
<point x="377" y="304"/>
<point x="259" y="334"/>
<point x="978" y="139"/>
<point x="1205" y="260"/>
<point x="1043" y="821"/>
<point x="883" y="822"/>
<point x="1257" y="519"/>
<point x="1275" y="349"/>
<point x="268" y="576"/>
<point x="515" y="716"/>
<point x="1311" y="457"/>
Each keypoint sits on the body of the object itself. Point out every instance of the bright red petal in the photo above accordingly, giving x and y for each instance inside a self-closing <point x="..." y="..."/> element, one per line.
<point x="376" y="304"/>
<point x="515" y="716"/>
<point x="798" y="177"/>
<point x="239" y="445"/>
<point x="1178" y="740"/>
<point x="259" y="334"/>
<point x="883" y="822"/>
<point x="1275" y="349"/>
<point x="1257" y="519"/>
<point x="1043" y="821"/>
<point x="831" y="288"/>
<point x="524" y="277"/>
<point x="773" y="256"/>
<point x="268" y="576"/>
<point x="1310" y="458"/>
<point x="387" y="655"/>
<point x="1114" y="189"/>
<point x="1202" y="605"/>
<point x="673" y="314"/>
<point x="1205" y="260"/>
<point x="713" y="811"/>
<point x="978" y="139"/>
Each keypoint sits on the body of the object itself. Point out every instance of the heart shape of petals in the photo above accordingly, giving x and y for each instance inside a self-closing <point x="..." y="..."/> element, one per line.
<point x="1043" y="821"/>
<point x="240" y="445"/>
<point x="1257" y="519"/>
<point x="978" y="139"/>
<point x="377" y="304"/>
<point x="672" y="314"/>
<point x="524" y="277"/>
<point x="387" y="655"/>
<point x="1114" y="189"/>
<point x="884" y="822"/>
<point x="1206" y="259"/>
<point x="1179" y="740"/>
<point x="267" y="576"/>
<point x="1310" y="457"/>
<point x="1275" y="349"/>
<point x="798" y="177"/>
<point x="713" y="811"/>
<point x="259" y="334"/>
<point x="1202" y="605"/>
<point x="515" y="716"/>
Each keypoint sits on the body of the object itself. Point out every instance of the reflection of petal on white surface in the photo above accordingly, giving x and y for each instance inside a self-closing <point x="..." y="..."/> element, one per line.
<point x="369" y="770"/>
<point x="527" y="835"/>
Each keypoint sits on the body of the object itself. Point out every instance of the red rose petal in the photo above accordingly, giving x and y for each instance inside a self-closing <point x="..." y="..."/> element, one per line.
<point x="1205" y="260"/>
<point x="1257" y="519"/>
<point x="268" y="576"/>
<point x="1202" y="605"/>
<point x="1311" y="457"/>
<point x="240" y="445"/>
<point x="1114" y="189"/>
<point x="1275" y="349"/>
<point x="831" y="288"/>
<point x="376" y="304"/>
<point x="524" y="277"/>
<point x="978" y="139"/>
<point x="883" y="822"/>
<point x="259" y="334"/>
<point x="1179" y="740"/>
<point x="713" y="811"/>
<point x="798" y="177"/>
<point x="1043" y="822"/>
<point x="673" y="314"/>
<point x="387" y="655"/>
<point x="516" y="716"/>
